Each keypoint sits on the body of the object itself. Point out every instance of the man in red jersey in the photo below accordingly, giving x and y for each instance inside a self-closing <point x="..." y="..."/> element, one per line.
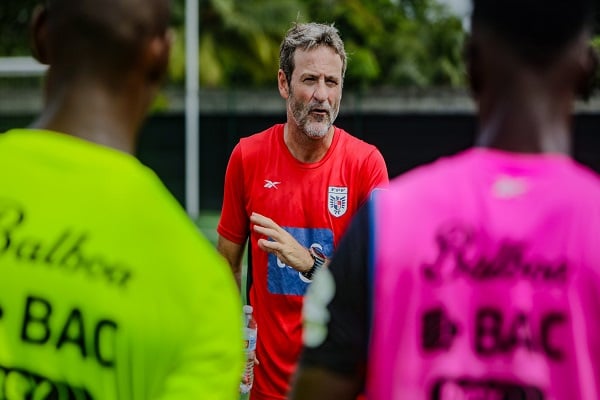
<point x="292" y="189"/>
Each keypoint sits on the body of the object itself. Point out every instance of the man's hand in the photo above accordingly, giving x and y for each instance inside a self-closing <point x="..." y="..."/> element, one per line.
<point x="283" y="245"/>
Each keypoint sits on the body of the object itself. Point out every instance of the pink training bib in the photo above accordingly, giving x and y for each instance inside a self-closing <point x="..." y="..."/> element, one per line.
<point x="486" y="281"/>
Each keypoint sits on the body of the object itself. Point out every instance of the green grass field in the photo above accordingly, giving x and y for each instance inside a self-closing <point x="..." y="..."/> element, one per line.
<point x="207" y="222"/>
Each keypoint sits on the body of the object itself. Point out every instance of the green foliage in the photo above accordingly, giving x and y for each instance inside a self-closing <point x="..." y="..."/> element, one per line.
<point x="14" y="22"/>
<point x="362" y="62"/>
<point x="177" y="59"/>
<point x="413" y="42"/>
<point x="389" y="42"/>
<point x="395" y="43"/>
<point x="239" y="40"/>
<point x="596" y="77"/>
<point x="159" y="103"/>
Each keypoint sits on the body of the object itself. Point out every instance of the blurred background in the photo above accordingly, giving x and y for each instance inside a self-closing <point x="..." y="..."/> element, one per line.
<point x="404" y="90"/>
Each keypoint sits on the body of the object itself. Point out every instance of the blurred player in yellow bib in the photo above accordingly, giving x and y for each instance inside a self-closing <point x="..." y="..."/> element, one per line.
<point x="107" y="291"/>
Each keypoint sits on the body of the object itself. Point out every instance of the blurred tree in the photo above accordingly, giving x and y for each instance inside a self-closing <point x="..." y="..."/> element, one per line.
<point x="413" y="43"/>
<point x="239" y="40"/>
<point x="14" y="23"/>
<point x="395" y="43"/>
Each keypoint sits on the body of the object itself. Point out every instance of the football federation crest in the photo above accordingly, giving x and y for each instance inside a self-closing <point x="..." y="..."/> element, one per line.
<point x="338" y="200"/>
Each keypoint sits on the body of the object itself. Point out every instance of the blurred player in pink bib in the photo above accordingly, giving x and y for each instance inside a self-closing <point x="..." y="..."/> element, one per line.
<point x="478" y="276"/>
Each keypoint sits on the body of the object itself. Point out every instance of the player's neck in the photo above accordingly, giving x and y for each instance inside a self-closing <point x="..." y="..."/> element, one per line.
<point x="528" y="123"/>
<point x="304" y="148"/>
<point x="92" y="113"/>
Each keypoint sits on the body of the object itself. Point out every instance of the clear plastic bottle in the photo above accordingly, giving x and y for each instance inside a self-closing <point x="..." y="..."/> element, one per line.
<point x="250" y="335"/>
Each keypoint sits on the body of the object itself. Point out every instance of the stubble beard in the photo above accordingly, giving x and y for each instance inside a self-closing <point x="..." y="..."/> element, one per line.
<point x="313" y="125"/>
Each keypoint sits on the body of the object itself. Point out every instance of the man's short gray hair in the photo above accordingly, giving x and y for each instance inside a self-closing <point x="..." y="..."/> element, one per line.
<point x="307" y="37"/>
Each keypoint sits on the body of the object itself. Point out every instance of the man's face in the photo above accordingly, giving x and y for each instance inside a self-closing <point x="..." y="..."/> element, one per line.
<point x="315" y="90"/>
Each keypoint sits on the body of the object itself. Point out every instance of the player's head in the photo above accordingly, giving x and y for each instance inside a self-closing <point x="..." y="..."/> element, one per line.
<point x="104" y="39"/>
<point x="307" y="37"/>
<point x="535" y="34"/>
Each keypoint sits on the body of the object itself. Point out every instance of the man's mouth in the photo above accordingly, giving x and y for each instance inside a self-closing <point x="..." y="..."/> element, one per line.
<point x="320" y="111"/>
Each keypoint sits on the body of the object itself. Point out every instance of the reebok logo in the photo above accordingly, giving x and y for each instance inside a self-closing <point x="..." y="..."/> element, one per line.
<point x="270" y="184"/>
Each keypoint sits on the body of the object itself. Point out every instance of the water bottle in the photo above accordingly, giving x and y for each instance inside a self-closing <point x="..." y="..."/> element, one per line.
<point x="250" y="334"/>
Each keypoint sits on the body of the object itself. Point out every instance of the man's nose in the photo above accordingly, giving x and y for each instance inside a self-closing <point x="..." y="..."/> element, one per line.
<point x="320" y="93"/>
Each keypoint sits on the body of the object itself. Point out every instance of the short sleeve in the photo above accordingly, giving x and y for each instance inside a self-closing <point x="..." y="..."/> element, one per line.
<point x="375" y="174"/>
<point x="234" y="223"/>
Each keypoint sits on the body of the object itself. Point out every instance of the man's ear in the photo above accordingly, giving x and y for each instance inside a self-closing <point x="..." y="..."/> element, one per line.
<point x="590" y="74"/>
<point x="38" y="30"/>
<point x="472" y="59"/>
<point x="283" y="85"/>
<point x="156" y="55"/>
